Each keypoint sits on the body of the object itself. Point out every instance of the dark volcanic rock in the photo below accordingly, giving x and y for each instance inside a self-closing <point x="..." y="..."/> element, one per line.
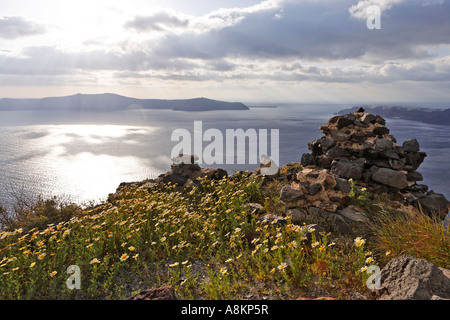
<point x="184" y="170"/>
<point x="434" y="204"/>
<point x="391" y="178"/>
<point x="414" y="159"/>
<point x="411" y="145"/>
<point x="307" y="159"/>
<point x="291" y="194"/>
<point x="315" y="189"/>
<point x="347" y="169"/>
<point x="380" y="131"/>
<point x="343" y="185"/>
<point x="409" y="278"/>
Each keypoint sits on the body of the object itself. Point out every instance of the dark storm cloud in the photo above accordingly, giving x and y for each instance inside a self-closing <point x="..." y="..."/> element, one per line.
<point x="17" y="27"/>
<point x="319" y="30"/>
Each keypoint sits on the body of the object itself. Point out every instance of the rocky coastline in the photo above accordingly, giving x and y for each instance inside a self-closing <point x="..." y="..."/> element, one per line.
<point x="356" y="155"/>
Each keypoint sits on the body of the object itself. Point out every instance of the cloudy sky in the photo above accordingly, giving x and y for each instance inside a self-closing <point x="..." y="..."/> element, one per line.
<point x="236" y="50"/>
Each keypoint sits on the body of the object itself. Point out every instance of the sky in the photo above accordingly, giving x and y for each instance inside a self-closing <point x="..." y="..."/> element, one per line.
<point x="298" y="51"/>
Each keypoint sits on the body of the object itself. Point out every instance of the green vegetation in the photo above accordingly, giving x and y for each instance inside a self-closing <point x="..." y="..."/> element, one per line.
<point x="201" y="239"/>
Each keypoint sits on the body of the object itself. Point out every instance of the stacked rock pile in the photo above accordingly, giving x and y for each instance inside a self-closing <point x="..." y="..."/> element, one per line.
<point x="184" y="170"/>
<point x="358" y="146"/>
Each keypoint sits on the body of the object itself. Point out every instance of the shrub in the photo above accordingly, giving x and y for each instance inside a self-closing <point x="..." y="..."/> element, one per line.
<point x="38" y="215"/>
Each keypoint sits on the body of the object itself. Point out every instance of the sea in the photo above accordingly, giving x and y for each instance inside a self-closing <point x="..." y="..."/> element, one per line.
<point x="81" y="158"/>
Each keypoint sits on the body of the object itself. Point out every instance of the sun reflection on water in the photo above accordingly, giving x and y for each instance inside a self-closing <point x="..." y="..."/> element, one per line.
<point x="86" y="162"/>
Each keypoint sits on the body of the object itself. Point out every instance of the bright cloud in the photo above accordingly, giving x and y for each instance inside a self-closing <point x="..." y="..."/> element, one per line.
<point x="280" y="44"/>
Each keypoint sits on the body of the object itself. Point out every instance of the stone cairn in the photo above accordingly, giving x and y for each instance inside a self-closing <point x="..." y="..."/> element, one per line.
<point x="358" y="146"/>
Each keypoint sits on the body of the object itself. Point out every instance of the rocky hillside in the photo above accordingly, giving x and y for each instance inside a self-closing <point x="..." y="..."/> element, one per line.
<point x="315" y="229"/>
<point x="355" y="158"/>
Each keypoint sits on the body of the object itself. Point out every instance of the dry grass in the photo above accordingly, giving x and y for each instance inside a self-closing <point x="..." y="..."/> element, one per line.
<point x="415" y="233"/>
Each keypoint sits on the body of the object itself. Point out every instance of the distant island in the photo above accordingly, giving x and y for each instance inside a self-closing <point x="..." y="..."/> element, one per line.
<point x="426" y="115"/>
<point x="114" y="102"/>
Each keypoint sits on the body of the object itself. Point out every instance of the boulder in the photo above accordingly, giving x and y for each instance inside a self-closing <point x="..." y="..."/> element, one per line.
<point x="326" y="143"/>
<point x="411" y="145"/>
<point x="291" y="194"/>
<point x="340" y="136"/>
<point x="337" y="152"/>
<point x="409" y="278"/>
<point x="336" y="220"/>
<point x="358" y="137"/>
<point x="414" y="176"/>
<point x="390" y="178"/>
<point x="345" y="120"/>
<point x="414" y="159"/>
<point x="368" y="118"/>
<point x="343" y="185"/>
<point x="182" y="172"/>
<point x="315" y="189"/>
<point x="434" y="204"/>
<point x="347" y="169"/>
<point x="297" y="216"/>
<point x="380" y="131"/>
<point x="353" y="214"/>
<point x="383" y="144"/>
<point x="307" y="159"/>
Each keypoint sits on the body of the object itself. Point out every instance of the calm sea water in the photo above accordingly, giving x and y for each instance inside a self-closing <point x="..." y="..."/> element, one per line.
<point x="85" y="157"/>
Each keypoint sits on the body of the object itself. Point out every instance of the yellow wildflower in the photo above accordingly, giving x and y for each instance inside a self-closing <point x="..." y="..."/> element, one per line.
<point x="94" y="261"/>
<point x="282" y="266"/>
<point x="359" y="242"/>
<point x="292" y="244"/>
<point x="124" y="257"/>
<point x="53" y="274"/>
